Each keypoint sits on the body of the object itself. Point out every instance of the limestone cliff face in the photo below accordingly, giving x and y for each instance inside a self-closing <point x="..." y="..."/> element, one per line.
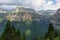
<point x="24" y="14"/>
<point x="20" y="13"/>
<point x="27" y="17"/>
<point x="12" y="17"/>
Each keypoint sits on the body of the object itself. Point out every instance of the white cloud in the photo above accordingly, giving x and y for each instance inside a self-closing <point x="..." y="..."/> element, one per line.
<point x="35" y="4"/>
<point x="58" y="1"/>
<point x="6" y="1"/>
<point x="50" y="5"/>
<point x="7" y="7"/>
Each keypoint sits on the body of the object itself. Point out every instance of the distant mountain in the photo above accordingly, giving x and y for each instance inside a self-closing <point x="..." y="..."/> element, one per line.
<point x="47" y="12"/>
<point x="55" y="19"/>
<point x="58" y="11"/>
<point x="23" y="9"/>
<point x="28" y="19"/>
<point x="36" y="22"/>
<point x="4" y="10"/>
<point x="21" y="12"/>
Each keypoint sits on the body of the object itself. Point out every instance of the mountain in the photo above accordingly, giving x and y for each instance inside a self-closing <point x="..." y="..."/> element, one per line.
<point x="47" y="12"/>
<point x="25" y="19"/>
<point x="20" y="13"/>
<point x="23" y="9"/>
<point x="55" y="19"/>
<point x="4" y="10"/>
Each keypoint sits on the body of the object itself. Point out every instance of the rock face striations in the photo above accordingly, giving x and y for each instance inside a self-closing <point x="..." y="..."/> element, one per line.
<point x="55" y="19"/>
<point x="25" y="14"/>
<point x="38" y="24"/>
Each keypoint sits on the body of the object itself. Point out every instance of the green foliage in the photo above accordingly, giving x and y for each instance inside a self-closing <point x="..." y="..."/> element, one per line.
<point x="59" y="35"/>
<point x="39" y="38"/>
<point x="57" y="38"/>
<point x="17" y="35"/>
<point x="23" y="37"/>
<point x="50" y="27"/>
<point x="56" y="33"/>
<point x="6" y="34"/>
<point x="51" y="32"/>
<point x="10" y="33"/>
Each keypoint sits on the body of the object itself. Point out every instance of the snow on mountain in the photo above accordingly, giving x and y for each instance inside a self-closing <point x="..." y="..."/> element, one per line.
<point x="47" y="12"/>
<point x="55" y="19"/>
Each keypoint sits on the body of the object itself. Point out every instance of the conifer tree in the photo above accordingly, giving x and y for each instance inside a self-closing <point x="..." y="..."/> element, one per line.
<point x="6" y="33"/>
<point x="23" y="37"/>
<point x="9" y="32"/>
<point x="17" y="35"/>
<point x="59" y="35"/>
<point x="12" y="32"/>
<point x="51" y="33"/>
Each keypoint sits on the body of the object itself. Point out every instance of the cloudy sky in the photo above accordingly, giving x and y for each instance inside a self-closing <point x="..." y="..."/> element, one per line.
<point x="35" y="4"/>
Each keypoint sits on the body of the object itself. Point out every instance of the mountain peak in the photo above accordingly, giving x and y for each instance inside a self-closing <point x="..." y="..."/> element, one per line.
<point x="47" y="12"/>
<point x="24" y="10"/>
<point x="58" y="11"/>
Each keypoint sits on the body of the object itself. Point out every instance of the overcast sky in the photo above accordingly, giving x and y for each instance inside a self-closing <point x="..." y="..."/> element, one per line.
<point x="35" y="4"/>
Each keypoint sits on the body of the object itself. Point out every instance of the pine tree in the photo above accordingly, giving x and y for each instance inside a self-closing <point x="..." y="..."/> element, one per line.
<point x="9" y="32"/>
<point x="51" y="33"/>
<point x="0" y="37"/>
<point x="39" y="38"/>
<point x="23" y="37"/>
<point x="59" y="35"/>
<point x="12" y="32"/>
<point x="17" y="35"/>
<point x="6" y="33"/>
<point x="56" y="33"/>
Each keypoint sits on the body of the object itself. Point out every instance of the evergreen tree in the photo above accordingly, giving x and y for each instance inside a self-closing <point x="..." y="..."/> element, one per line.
<point x="37" y="38"/>
<point x="6" y="33"/>
<point x="23" y="37"/>
<point x="17" y="35"/>
<point x="51" y="33"/>
<point x="0" y="37"/>
<point x="56" y="33"/>
<point x="59" y="35"/>
<point x="10" y="32"/>
<point x="40" y="38"/>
